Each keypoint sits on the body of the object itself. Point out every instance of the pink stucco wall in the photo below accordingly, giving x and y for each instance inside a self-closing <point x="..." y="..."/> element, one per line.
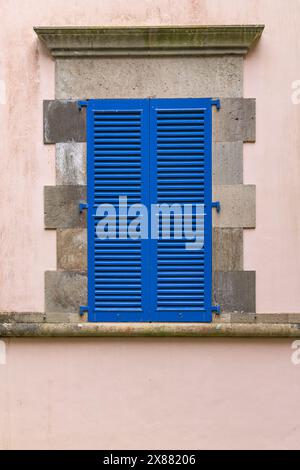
<point x="273" y="163"/>
<point x="159" y="394"/>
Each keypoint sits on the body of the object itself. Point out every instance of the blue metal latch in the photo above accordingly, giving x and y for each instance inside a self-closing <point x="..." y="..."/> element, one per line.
<point x="216" y="103"/>
<point x="81" y="104"/>
<point x="83" y="309"/>
<point x="83" y="206"/>
<point x="216" y="309"/>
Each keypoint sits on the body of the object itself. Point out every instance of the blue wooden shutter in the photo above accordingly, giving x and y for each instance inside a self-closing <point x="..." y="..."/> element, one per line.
<point x="153" y="152"/>
<point x="118" y="159"/>
<point x="181" y="173"/>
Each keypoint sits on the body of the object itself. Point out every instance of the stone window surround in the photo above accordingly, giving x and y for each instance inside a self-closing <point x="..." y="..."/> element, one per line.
<point x="235" y="124"/>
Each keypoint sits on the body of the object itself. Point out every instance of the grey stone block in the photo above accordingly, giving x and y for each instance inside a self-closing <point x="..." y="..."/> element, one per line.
<point x="235" y="121"/>
<point x="227" y="163"/>
<point x="227" y="249"/>
<point x="235" y="291"/>
<point x="65" y="291"/>
<point x="72" y="249"/>
<point x="63" y="122"/>
<point x="238" y="206"/>
<point x="171" y="77"/>
<point x="61" y="206"/>
<point x="70" y="163"/>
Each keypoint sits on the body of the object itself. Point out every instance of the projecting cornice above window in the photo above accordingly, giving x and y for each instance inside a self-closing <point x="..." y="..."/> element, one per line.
<point x="96" y="41"/>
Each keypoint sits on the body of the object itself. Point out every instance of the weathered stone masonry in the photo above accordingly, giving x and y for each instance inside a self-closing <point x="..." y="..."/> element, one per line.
<point x="196" y="73"/>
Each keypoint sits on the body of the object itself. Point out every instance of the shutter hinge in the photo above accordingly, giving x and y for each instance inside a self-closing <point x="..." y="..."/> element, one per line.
<point x="81" y="104"/>
<point x="83" y="206"/>
<point x="216" y="205"/>
<point x="216" y="103"/>
<point x="83" y="309"/>
<point x="216" y="309"/>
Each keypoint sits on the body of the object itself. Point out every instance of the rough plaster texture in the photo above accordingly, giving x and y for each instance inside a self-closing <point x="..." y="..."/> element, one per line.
<point x="70" y="163"/>
<point x="129" y="77"/>
<point x="149" y="393"/>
